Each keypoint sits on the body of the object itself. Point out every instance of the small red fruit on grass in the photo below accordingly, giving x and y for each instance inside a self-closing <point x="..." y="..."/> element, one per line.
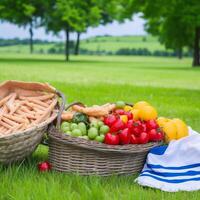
<point x="144" y="138"/>
<point x="110" y="120"/>
<point x="151" y="124"/>
<point x="134" y="139"/>
<point x="125" y="136"/>
<point x="117" y="126"/>
<point x="111" y="139"/>
<point x="44" y="166"/>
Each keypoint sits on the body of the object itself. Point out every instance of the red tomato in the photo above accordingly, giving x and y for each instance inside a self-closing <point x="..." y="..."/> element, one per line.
<point x="155" y="135"/>
<point x="120" y="112"/>
<point x="143" y="127"/>
<point x="144" y="138"/>
<point x="117" y="126"/>
<point x="130" y="125"/>
<point x="152" y="135"/>
<point x="160" y="136"/>
<point x="129" y="115"/>
<point x="111" y="139"/>
<point x="109" y="120"/>
<point x="151" y="124"/>
<point x="125" y="136"/>
<point x="44" y="166"/>
<point x="137" y="128"/>
<point x="134" y="139"/>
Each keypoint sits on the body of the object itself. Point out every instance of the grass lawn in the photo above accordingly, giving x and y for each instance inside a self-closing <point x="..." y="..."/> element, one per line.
<point x="109" y="43"/>
<point x="171" y="85"/>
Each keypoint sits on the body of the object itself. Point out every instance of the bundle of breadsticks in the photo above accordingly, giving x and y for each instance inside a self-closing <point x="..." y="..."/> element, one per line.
<point x="24" y="109"/>
<point x="93" y="111"/>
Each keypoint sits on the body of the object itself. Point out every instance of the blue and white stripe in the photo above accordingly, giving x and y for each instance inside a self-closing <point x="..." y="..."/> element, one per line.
<point x="175" y="167"/>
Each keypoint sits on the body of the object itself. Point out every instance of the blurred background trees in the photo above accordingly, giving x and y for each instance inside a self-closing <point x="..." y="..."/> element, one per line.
<point x="175" y="22"/>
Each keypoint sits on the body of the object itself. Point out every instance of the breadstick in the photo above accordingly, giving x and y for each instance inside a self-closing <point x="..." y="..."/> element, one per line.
<point x="33" y="105"/>
<point x="10" y="102"/>
<point x="5" y="125"/>
<point x="46" y="113"/>
<point x="8" y="121"/>
<point x="5" y="99"/>
<point x="15" y="118"/>
<point x="39" y="102"/>
<point x="26" y="114"/>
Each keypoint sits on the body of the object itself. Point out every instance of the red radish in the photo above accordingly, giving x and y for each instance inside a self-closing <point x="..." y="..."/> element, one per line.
<point x="44" y="166"/>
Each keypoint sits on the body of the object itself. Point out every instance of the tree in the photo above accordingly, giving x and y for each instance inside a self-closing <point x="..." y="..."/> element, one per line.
<point x="63" y="16"/>
<point x="23" y="13"/>
<point x="175" y="22"/>
<point x="99" y="12"/>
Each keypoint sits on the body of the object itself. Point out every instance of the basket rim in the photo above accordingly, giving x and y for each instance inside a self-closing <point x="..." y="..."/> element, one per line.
<point x="58" y="136"/>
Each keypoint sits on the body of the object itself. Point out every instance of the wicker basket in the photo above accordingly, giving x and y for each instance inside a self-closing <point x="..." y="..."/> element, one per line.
<point x="85" y="157"/>
<point x="19" y="145"/>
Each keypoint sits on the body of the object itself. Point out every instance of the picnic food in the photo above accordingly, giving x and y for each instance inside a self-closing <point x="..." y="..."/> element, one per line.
<point x="44" y="166"/>
<point x="21" y="108"/>
<point x="174" y="129"/>
<point x="120" y="124"/>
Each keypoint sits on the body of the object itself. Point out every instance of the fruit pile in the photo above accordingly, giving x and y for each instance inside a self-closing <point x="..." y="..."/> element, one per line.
<point x="120" y="124"/>
<point x="83" y="127"/>
<point x="133" y="124"/>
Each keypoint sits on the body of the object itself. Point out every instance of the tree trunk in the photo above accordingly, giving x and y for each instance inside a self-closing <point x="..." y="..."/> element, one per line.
<point x="67" y="44"/>
<point x="196" y="53"/>
<point x="31" y="37"/>
<point x="76" y="50"/>
<point x="180" y="53"/>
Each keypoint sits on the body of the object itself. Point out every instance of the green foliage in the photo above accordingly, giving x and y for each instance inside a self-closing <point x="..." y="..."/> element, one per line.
<point x="174" y="21"/>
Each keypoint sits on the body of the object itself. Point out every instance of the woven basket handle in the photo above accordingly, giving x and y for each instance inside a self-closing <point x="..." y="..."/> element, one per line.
<point x="62" y="107"/>
<point x="59" y="119"/>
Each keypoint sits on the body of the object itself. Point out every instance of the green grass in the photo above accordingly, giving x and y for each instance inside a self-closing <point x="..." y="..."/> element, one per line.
<point x="171" y="85"/>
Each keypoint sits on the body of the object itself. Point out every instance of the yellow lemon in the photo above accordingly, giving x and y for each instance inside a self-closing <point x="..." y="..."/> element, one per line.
<point x="181" y="127"/>
<point x="140" y="104"/>
<point x="135" y="113"/>
<point x="161" y="121"/>
<point x="148" y="113"/>
<point x="170" y="130"/>
<point x="128" y="108"/>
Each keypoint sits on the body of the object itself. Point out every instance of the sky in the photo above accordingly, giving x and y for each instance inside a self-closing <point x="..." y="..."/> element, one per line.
<point x="129" y="27"/>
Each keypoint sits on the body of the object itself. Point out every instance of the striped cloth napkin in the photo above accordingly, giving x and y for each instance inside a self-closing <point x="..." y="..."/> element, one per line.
<point x="174" y="167"/>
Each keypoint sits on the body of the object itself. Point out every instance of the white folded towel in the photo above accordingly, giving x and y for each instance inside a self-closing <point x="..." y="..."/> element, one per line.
<point x="174" y="167"/>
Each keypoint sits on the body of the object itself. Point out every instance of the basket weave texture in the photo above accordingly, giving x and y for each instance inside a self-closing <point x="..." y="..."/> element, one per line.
<point x="85" y="157"/>
<point x="17" y="146"/>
